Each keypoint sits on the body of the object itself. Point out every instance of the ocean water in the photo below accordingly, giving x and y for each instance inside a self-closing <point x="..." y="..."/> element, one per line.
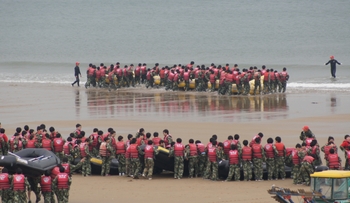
<point x="41" y="40"/>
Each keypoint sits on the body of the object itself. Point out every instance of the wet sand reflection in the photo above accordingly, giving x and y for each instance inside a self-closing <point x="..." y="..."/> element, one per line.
<point x="185" y="106"/>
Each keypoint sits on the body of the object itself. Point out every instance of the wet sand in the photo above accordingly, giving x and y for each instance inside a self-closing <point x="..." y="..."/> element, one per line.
<point x="186" y="115"/>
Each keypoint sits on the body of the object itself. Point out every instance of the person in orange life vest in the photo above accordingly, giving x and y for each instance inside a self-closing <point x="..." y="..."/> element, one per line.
<point x="53" y="133"/>
<point x="305" y="133"/>
<point x="58" y="143"/>
<point x="280" y="158"/>
<point x="334" y="161"/>
<point x="258" y="158"/>
<point x="38" y="134"/>
<point x="82" y="136"/>
<point x="85" y="153"/>
<point x="167" y="138"/>
<point x="314" y="151"/>
<point x="94" y="146"/>
<point x="3" y="142"/>
<point x="179" y="152"/>
<point x="236" y="142"/>
<point x="307" y="168"/>
<point x="46" y="187"/>
<point x="202" y="158"/>
<point x="134" y="151"/>
<point x="5" y="186"/>
<point x="16" y="143"/>
<point x="127" y="156"/>
<point x="345" y="145"/>
<point x="296" y="160"/>
<point x="150" y="153"/>
<point x="227" y="146"/>
<point x="120" y="153"/>
<point x="234" y="159"/>
<point x="270" y="152"/>
<point x="191" y="154"/>
<point x="19" y="184"/>
<point x="105" y="153"/>
<point x="260" y="135"/>
<point x="266" y="75"/>
<point x="156" y="139"/>
<point x="325" y="149"/>
<point x="61" y="185"/>
<point x="46" y="143"/>
<point x="77" y="130"/>
<point x="68" y="149"/>
<point x="212" y="165"/>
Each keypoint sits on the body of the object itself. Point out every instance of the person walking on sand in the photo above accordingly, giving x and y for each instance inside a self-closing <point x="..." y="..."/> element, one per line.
<point x="76" y="74"/>
<point x="333" y="63"/>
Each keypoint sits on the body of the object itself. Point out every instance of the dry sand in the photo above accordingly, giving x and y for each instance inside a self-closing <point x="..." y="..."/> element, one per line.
<point x="186" y="115"/>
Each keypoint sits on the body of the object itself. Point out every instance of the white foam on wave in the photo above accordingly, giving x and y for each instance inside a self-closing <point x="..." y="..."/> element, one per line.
<point x="320" y="86"/>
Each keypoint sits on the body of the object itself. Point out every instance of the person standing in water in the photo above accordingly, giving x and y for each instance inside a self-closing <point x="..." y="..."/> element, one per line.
<point x="333" y="63"/>
<point x="76" y="74"/>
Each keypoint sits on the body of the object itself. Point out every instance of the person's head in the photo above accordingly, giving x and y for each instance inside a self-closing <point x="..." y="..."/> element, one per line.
<point x="236" y="137"/>
<point x="18" y="130"/>
<point x="38" y="129"/>
<point x="110" y="130"/>
<point x="178" y="140"/>
<point x="95" y="130"/>
<point x="106" y="139"/>
<point x="47" y="136"/>
<point x="82" y="133"/>
<point x="278" y="139"/>
<point x="313" y="143"/>
<point x="78" y="142"/>
<point x="233" y="147"/>
<point x="165" y="131"/>
<point x="214" y="142"/>
<point x="257" y="140"/>
<point x="284" y="69"/>
<point x="347" y="137"/>
<point x="133" y="141"/>
<point x="51" y="129"/>
<point x="150" y="142"/>
<point x="305" y="128"/>
<point x="155" y="134"/>
<point x="58" y="135"/>
<point x="47" y="173"/>
<point x="141" y="131"/>
<point x="64" y="159"/>
<point x="198" y="141"/>
<point x="331" y="151"/>
<point x="100" y="132"/>
<point x="161" y="142"/>
<point x="270" y="140"/>
<point x="245" y="142"/>
<point x="112" y="133"/>
<point x="62" y="169"/>
<point x="24" y="133"/>
<point x="148" y="135"/>
<point x="298" y="146"/>
<point x="71" y="135"/>
<point x="230" y="137"/>
<point x="261" y="135"/>
<point x="330" y="139"/>
<point x="2" y="130"/>
<point x="303" y="145"/>
<point x="130" y="136"/>
<point x="31" y="137"/>
<point x="172" y="144"/>
<point x="191" y="141"/>
<point x="331" y="57"/>
<point x="215" y="137"/>
<point x="120" y="138"/>
<point x="78" y="126"/>
<point x="18" y="171"/>
<point x="221" y="145"/>
<point x="26" y="128"/>
<point x="309" y="135"/>
<point x="69" y="139"/>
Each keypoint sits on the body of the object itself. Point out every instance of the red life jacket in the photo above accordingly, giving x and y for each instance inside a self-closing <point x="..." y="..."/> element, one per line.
<point x="227" y="146"/>
<point x="295" y="157"/>
<point x="257" y="153"/>
<point x="229" y="77"/>
<point x="19" y="182"/>
<point x="313" y="151"/>
<point x="66" y="168"/>
<point x="137" y="71"/>
<point x="4" y="181"/>
<point x="266" y="76"/>
<point x="125" y="72"/>
<point x="348" y="155"/>
<point x="62" y="181"/>
<point x="148" y="76"/>
<point x="333" y="161"/>
<point x="54" y="172"/>
<point x="196" y="72"/>
<point x="66" y="148"/>
<point x="103" y="149"/>
<point x="45" y="184"/>
<point x="91" y="71"/>
<point x="102" y="72"/>
<point x="58" y="144"/>
<point x="216" y="72"/>
<point x="222" y="77"/>
<point x="308" y="159"/>
<point x="280" y="148"/>
<point x="53" y="135"/>
<point x="162" y="74"/>
<point x="284" y="76"/>
<point x="30" y="144"/>
<point x="212" y="154"/>
<point x="179" y="149"/>
<point x="143" y="70"/>
<point x="133" y="151"/>
<point x="149" y="151"/>
<point x="156" y="141"/>
<point x="193" y="149"/>
<point x="233" y="155"/>
<point x="82" y="150"/>
<point x="201" y="147"/>
<point x="238" y="79"/>
<point x="277" y="76"/>
<point x="308" y="141"/>
<point x="166" y="141"/>
<point x="269" y="151"/>
<point x="257" y="76"/>
<point x="138" y="141"/>
<point x="94" y="141"/>
<point x="263" y="71"/>
<point x="326" y="151"/>
<point x="176" y="77"/>
<point x="46" y="144"/>
<point x="212" y="78"/>
<point x="19" y="146"/>
<point x="187" y="76"/>
<point x="171" y="76"/>
<point x="98" y="74"/>
<point x="247" y="153"/>
<point x="249" y="73"/>
<point x="272" y="76"/>
<point x="120" y="146"/>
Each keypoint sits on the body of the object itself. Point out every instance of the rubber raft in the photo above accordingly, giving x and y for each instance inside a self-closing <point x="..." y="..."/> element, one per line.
<point x="32" y="161"/>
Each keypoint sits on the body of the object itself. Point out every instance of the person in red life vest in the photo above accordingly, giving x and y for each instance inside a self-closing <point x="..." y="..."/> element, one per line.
<point x="258" y="157"/>
<point x="212" y="80"/>
<point x="16" y="143"/>
<point x="297" y="155"/>
<point x="162" y="76"/>
<point x="140" y="141"/>
<point x="186" y="78"/>
<point x="19" y="185"/>
<point x="156" y="139"/>
<point x="345" y="145"/>
<point x="167" y="138"/>
<point x="270" y="152"/>
<point x="176" y="80"/>
<point x="131" y="79"/>
<point x="138" y="73"/>
<point x="234" y="159"/>
<point x="147" y="138"/>
<point x="272" y="81"/>
<point x="202" y="158"/>
<point x="179" y="152"/>
<point x="280" y="158"/>
<point x="266" y="75"/>
<point x="191" y="154"/>
<point x="38" y="134"/>
<point x="5" y="186"/>
<point x="235" y="141"/>
<point x="77" y="130"/>
<point x="162" y="143"/>
<point x="26" y="128"/>
<point x="277" y="82"/>
<point x="94" y="146"/>
<point x="143" y="73"/>
<point x="307" y="168"/>
<point x="134" y="151"/>
<point x="61" y="185"/>
<point x="212" y="166"/>
<point x="149" y="78"/>
<point x="150" y="152"/>
<point x="53" y="133"/>
<point x="68" y="149"/>
<point x="127" y="156"/>
<point x="120" y="153"/>
<point x="58" y="143"/>
<point x="106" y="151"/>
<point x="229" y="79"/>
<point x="260" y="135"/>
<point x="257" y="81"/>
<point x="85" y="153"/>
<point x="305" y="133"/>
<point x="284" y="77"/>
<point x="227" y="146"/>
<point x="70" y="168"/>
<point x="46" y="187"/>
<point x="334" y="161"/>
<point x="222" y="77"/>
<point x="169" y="84"/>
<point x="46" y="143"/>
<point x="309" y="139"/>
<point x="314" y="151"/>
<point x="82" y="136"/>
<point x="125" y="76"/>
<point x="325" y="149"/>
<point x="3" y="142"/>
<point x="91" y="75"/>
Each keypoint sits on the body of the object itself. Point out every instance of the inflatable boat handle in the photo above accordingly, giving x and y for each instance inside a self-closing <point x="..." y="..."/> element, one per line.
<point x="36" y="158"/>
<point x="14" y="155"/>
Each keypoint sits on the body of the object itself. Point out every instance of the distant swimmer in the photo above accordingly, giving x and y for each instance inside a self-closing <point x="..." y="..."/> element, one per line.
<point x="333" y="63"/>
<point x="76" y="74"/>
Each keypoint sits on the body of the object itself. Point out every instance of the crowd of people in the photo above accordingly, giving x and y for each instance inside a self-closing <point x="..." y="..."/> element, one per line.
<point x="136" y="155"/>
<point x="189" y="77"/>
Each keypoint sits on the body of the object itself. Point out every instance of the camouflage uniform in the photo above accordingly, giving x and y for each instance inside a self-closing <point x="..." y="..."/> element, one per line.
<point x="48" y="197"/>
<point x="192" y="162"/>
<point x="34" y="181"/>
<point x="200" y="82"/>
<point x="212" y="169"/>
<point x="4" y="147"/>
<point x="258" y="166"/>
<point x="135" y="164"/>
<point x="7" y="195"/>
<point x="279" y="165"/>
<point x="106" y="161"/>
<point x="257" y="84"/>
<point x="318" y="160"/>
<point x="246" y="84"/>
<point x="121" y="163"/>
<point x="270" y="165"/>
<point x="178" y="166"/>
<point x="21" y="196"/>
<point x="235" y="169"/>
<point x="202" y="158"/>
<point x="149" y="164"/>
<point x="247" y="170"/>
<point x="305" y="170"/>
<point x="86" y="167"/>
<point x="62" y="194"/>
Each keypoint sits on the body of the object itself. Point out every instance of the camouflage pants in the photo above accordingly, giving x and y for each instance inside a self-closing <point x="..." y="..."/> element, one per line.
<point x="234" y="170"/>
<point x="48" y="197"/>
<point x="137" y="79"/>
<point x="272" y="86"/>
<point x="19" y="196"/>
<point x="91" y="80"/>
<point x="247" y="170"/>
<point x="86" y="167"/>
<point x="246" y="88"/>
<point x="212" y="89"/>
<point x="128" y="167"/>
<point x="106" y="165"/>
<point x="193" y="166"/>
<point x="95" y="152"/>
<point x="228" y="86"/>
<point x="305" y="170"/>
<point x="212" y="171"/>
<point x="279" y="166"/>
<point x="59" y="155"/>
<point x="296" y="174"/>
<point x="283" y="86"/>
<point x="148" y="170"/>
<point x="70" y="158"/>
<point x="178" y="166"/>
<point x="258" y="168"/>
<point x="278" y="86"/>
<point x="169" y="85"/>
<point x="266" y="87"/>
<point x="121" y="163"/>
<point x="62" y="195"/>
<point x="187" y="85"/>
<point x="201" y="164"/>
<point x="135" y="163"/>
<point x="131" y="80"/>
<point x="6" y="196"/>
<point x="271" y="168"/>
<point x="239" y="88"/>
<point x="256" y="86"/>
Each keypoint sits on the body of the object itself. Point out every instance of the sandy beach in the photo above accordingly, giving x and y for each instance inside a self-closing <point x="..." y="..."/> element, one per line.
<point x="186" y="115"/>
